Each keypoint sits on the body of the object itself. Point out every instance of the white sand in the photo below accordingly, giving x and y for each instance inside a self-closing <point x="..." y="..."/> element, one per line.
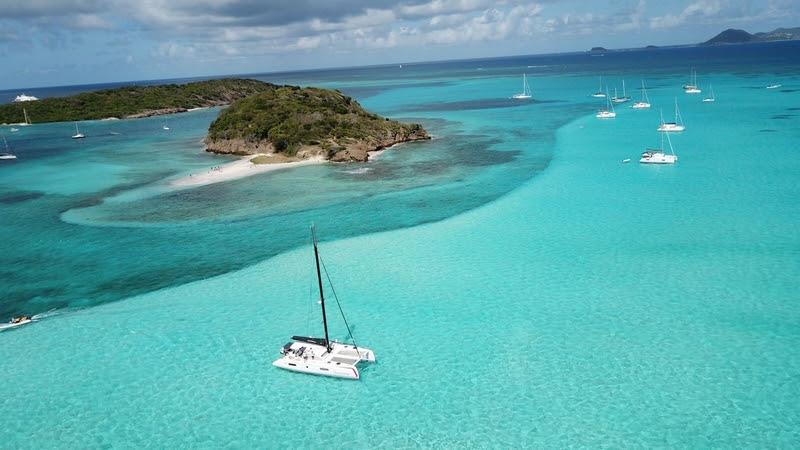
<point x="238" y="169"/>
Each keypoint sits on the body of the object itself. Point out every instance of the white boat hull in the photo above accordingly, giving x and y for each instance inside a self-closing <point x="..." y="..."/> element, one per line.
<point x="658" y="158"/>
<point x="8" y="156"/>
<point x="606" y="115"/>
<point x="671" y="128"/>
<point x="521" y="96"/>
<point x="641" y="105"/>
<point x="340" y="362"/>
<point x="692" y="91"/>
<point x="8" y="326"/>
<point x="599" y="95"/>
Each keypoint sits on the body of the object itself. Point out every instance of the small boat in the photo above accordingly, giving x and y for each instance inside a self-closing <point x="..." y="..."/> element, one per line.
<point x="625" y="98"/>
<point x="16" y="322"/>
<point x="14" y="130"/>
<point x="710" y="99"/>
<point x="671" y="127"/>
<point x="658" y="156"/>
<point x="78" y="134"/>
<point x="600" y="93"/>
<point x="645" y="102"/>
<point x="7" y="154"/>
<point x="626" y="161"/>
<point x="607" y="113"/>
<point x="526" y="90"/>
<point x="322" y="356"/>
<point x="691" y="87"/>
<point x="25" y="98"/>
<point x="774" y="86"/>
<point x="165" y="127"/>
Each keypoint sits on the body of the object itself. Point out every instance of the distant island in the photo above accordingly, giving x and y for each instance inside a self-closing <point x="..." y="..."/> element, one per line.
<point x="290" y="123"/>
<point x="131" y="102"/>
<point x="734" y="36"/>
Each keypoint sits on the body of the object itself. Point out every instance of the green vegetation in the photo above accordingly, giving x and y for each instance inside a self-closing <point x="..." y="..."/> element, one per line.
<point x="133" y="101"/>
<point x="288" y="117"/>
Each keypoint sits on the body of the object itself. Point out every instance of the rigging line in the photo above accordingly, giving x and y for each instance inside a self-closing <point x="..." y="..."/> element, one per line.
<point x="336" y="297"/>
<point x="309" y="301"/>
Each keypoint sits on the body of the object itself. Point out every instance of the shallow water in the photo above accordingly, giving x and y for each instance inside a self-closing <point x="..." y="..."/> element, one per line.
<point x="531" y="290"/>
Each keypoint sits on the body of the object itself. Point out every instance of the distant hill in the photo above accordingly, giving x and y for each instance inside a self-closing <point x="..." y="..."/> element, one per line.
<point x="734" y="36"/>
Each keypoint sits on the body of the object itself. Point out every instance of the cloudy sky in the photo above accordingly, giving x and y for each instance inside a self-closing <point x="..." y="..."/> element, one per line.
<point x="57" y="42"/>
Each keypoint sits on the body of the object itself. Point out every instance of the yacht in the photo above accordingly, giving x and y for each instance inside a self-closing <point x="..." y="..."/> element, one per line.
<point x="526" y="90"/>
<point x="7" y="154"/>
<point x="600" y="93"/>
<point x="322" y="356"/>
<point x="625" y="98"/>
<point x="608" y="112"/>
<point x="710" y="99"/>
<point x="691" y="87"/>
<point x="24" y="98"/>
<point x="675" y="126"/>
<point x="78" y="134"/>
<point x="644" y="103"/>
<point x="658" y="156"/>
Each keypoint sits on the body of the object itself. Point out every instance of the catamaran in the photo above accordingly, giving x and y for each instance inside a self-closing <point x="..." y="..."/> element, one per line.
<point x="657" y="156"/>
<point x="675" y="126"/>
<point x="322" y="356"/>
<point x="526" y="90"/>
<point x="607" y="113"/>
<point x="600" y="93"/>
<point x="645" y="102"/>
<point x="78" y="134"/>
<point x="712" y="98"/>
<point x="691" y="87"/>
<point x="624" y="98"/>
<point x="7" y="154"/>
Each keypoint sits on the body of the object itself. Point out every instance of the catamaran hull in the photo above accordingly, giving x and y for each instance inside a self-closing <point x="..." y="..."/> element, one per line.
<point x="324" y="369"/>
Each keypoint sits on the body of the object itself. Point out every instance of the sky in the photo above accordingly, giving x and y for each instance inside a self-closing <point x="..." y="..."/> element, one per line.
<point x="63" y="42"/>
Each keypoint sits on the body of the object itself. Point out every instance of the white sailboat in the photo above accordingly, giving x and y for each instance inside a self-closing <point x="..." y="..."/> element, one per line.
<point x="78" y="134"/>
<point x="645" y="102"/>
<point x="658" y="156"/>
<point x="526" y="90"/>
<point x="672" y="127"/>
<point x="7" y="154"/>
<point x="607" y="113"/>
<point x="600" y="93"/>
<point x="165" y="127"/>
<point x="322" y="356"/>
<point x="712" y="98"/>
<point x="624" y="98"/>
<point x="27" y="121"/>
<point x="691" y="87"/>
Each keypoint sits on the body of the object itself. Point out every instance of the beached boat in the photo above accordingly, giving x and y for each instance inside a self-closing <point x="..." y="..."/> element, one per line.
<point x="600" y="93"/>
<point x="644" y="103"/>
<point x="608" y="112"/>
<point x="322" y="356"/>
<point x="712" y="98"/>
<point x="526" y="90"/>
<point x="78" y="134"/>
<point x="691" y="87"/>
<point x="624" y="98"/>
<point x="659" y="156"/>
<point x="675" y="126"/>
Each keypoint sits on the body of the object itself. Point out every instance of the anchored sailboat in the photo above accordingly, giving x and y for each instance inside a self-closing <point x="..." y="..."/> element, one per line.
<point x="712" y="98"/>
<point x="600" y="93"/>
<point x="675" y="126"/>
<point x="78" y="134"/>
<point x="7" y="154"/>
<point x="607" y="113"/>
<point x="658" y="156"/>
<point x="645" y="102"/>
<point x="321" y="356"/>
<point x="526" y="90"/>
<point x="691" y="87"/>
<point x="624" y="97"/>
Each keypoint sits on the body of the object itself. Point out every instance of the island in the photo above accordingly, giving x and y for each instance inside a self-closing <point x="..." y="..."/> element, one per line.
<point x="735" y="36"/>
<point x="290" y="123"/>
<point x="132" y="102"/>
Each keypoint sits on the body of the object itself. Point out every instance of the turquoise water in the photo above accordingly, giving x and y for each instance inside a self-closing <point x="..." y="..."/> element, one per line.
<point x="520" y="285"/>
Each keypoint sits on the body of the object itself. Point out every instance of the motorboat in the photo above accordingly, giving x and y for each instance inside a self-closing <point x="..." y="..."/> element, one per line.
<point x="323" y="356"/>
<point x="644" y="103"/>
<point x="659" y="156"/>
<point x="16" y="322"/>
<point x="671" y="127"/>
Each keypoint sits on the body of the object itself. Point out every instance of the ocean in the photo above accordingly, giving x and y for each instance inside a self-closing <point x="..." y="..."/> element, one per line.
<point x="520" y="285"/>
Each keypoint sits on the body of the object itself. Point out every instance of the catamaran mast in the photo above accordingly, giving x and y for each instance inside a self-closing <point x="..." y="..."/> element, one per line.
<point x="321" y="293"/>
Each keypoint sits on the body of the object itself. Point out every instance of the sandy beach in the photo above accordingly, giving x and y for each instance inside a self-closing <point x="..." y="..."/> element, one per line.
<point x="237" y="169"/>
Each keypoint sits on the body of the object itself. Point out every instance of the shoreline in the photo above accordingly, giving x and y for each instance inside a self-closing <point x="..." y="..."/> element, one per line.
<point x="240" y="168"/>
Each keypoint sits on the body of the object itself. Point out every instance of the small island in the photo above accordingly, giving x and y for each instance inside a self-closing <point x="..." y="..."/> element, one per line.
<point x="289" y="123"/>
<point x="132" y="102"/>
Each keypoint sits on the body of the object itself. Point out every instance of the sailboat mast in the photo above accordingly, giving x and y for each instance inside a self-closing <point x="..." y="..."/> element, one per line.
<point x="321" y="293"/>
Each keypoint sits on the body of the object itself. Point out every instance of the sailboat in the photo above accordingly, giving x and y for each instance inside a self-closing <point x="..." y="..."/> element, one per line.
<point x="78" y="134"/>
<point x="607" y="113"/>
<point x="691" y="87"/>
<point x="27" y="121"/>
<point x="624" y="97"/>
<point x="600" y="93"/>
<point x="675" y="126"/>
<point x="712" y="98"/>
<point x="165" y="127"/>
<point x="526" y="90"/>
<point x="322" y="356"/>
<point x="645" y="102"/>
<point x="7" y="154"/>
<point x="658" y="156"/>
